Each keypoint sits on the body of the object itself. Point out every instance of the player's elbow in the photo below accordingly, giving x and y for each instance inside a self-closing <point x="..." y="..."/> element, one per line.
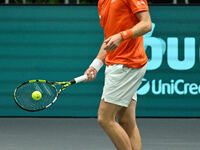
<point x="148" y="26"/>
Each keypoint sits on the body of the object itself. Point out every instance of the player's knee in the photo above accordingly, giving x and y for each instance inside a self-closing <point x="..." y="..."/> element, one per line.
<point x="125" y="122"/>
<point x="101" y="120"/>
<point x="104" y="121"/>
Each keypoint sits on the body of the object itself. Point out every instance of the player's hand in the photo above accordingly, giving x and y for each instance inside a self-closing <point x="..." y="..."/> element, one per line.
<point x="113" y="42"/>
<point x="91" y="73"/>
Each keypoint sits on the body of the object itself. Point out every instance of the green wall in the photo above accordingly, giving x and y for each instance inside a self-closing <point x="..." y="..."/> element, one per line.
<point x="59" y="42"/>
<point x="173" y="73"/>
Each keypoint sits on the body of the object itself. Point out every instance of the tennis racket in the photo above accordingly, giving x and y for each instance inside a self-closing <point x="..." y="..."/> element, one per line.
<point x="23" y="94"/>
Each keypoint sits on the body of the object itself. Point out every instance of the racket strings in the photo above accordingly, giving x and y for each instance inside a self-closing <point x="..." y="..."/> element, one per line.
<point x="24" y="95"/>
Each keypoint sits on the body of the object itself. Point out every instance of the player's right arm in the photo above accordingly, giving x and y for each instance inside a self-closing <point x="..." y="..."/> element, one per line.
<point x="96" y="64"/>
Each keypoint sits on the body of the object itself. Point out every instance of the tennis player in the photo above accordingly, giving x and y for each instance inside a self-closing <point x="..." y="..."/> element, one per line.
<point x="124" y="23"/>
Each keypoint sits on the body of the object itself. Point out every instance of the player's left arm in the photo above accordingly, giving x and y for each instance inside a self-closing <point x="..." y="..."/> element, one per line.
<point x="143" y="26"/>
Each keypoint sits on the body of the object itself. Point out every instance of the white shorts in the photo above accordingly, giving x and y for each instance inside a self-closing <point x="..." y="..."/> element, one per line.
<point x="121" y="83"/>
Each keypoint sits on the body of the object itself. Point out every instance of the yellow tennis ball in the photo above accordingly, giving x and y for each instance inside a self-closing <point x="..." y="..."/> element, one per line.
<point x="36" y="95"/>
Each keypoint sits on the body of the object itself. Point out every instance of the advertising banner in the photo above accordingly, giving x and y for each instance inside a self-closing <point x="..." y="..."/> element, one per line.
<point x="57" y="43"/>
<point x="171" y="86"/>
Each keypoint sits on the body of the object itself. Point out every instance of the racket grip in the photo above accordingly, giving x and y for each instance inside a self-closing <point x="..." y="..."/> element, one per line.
<point x="81" y="78"/>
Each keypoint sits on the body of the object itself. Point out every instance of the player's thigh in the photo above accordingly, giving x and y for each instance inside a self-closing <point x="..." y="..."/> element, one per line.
<point x="127" y="114"/>
<point x="107" y="111"/>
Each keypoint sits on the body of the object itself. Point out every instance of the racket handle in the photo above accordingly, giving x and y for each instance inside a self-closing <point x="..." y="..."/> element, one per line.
<point x="81" y="78"/>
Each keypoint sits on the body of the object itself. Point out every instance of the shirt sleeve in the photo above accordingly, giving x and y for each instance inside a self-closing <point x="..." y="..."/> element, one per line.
<point x="99" y="11"/>
<point x="99" y="7"/>
<point x="138" y="5"/>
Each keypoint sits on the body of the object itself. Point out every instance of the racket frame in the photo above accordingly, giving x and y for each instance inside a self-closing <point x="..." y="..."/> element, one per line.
<point x="33" y="81"/>
<point x="64" y="84"/>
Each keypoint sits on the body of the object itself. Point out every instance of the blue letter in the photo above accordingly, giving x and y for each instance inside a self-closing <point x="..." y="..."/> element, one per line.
<point x="189" y="53"/>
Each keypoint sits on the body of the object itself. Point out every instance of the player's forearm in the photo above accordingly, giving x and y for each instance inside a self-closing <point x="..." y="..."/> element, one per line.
<point x="102" y="53"/>
<point x="138" y="30"/>
<point x="141" y="28"/>
<point x="99" y="60"/>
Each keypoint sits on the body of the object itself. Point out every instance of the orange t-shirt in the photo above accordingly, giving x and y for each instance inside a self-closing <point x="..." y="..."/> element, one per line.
<point x="119" y="15"/>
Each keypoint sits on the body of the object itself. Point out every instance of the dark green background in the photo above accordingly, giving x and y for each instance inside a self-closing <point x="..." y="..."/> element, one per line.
<point x="59" y="42"/>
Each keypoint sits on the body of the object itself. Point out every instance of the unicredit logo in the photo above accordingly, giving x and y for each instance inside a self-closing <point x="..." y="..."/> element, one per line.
<point x="159" y="87"/>
<point x="144" y="87"/>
